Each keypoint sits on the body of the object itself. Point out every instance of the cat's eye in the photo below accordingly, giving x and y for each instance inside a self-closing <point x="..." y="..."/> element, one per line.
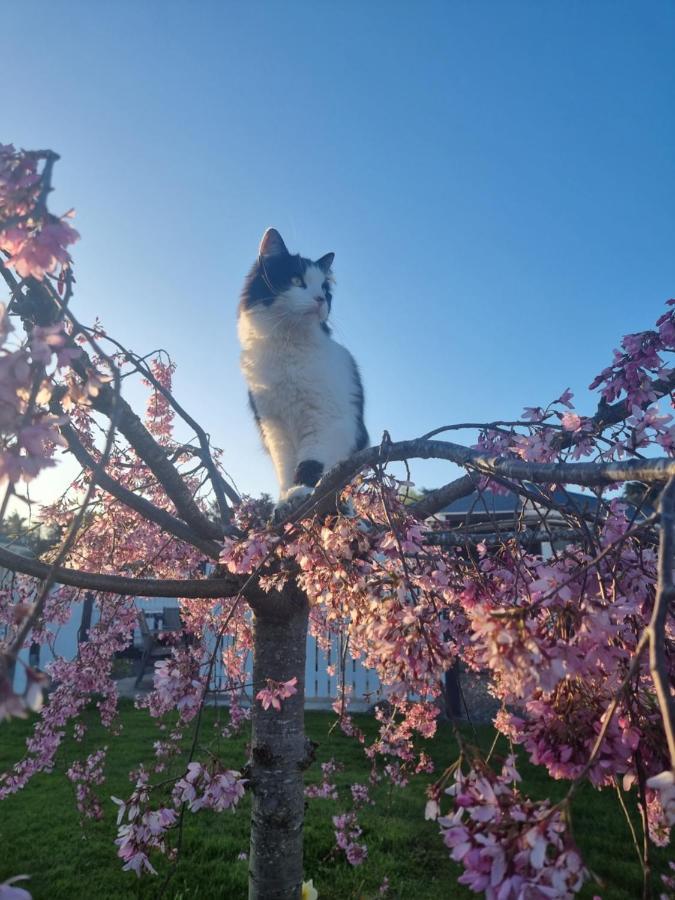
<point x="297" y="281"/>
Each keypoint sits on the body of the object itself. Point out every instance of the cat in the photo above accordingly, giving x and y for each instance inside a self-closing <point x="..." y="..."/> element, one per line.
<point x="304" y="388"/>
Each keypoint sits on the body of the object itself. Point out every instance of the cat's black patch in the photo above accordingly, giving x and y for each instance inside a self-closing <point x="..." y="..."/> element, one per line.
<point x="256" y="416"/>
<point x="308" y="472"/>
<point x="269" y="277"/>
<point x="362" y="438"/>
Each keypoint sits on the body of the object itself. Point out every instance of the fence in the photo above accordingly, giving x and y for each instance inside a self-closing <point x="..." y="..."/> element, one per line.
<point x="321" y="688"/>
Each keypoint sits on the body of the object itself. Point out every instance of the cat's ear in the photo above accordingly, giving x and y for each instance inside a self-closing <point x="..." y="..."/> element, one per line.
<point x="272" y="244"/>
<point x="326" y="262"/>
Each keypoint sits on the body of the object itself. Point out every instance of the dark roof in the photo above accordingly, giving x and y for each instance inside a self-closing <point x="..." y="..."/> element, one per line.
<point x="488" y="503"/>
<point x="480" y="504"/>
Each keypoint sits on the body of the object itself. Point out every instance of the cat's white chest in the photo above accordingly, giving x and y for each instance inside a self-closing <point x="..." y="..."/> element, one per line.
<point x="294" y="380"/>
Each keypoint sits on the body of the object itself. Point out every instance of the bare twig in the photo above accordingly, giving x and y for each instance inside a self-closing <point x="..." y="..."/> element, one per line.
<point x="665" y="595"/>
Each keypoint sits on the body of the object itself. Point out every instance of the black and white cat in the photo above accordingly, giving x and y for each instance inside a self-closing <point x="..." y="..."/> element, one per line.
<point x="304" y="388"/>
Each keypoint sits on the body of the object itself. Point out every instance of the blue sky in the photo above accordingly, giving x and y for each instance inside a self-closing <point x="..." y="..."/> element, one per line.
<point x="496" y="180"/>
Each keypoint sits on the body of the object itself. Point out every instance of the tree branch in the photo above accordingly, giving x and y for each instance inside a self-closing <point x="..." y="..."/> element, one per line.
<point x="588" y="474"/>
<point x="41" y="305"/>
<point x="443" y="496"/>
<point x="155" y="457"/>
<point x="221" y="488"/>
<point x="144" y="507"/>
<point x="617" y="412"/>
<point x="213" y="588"/>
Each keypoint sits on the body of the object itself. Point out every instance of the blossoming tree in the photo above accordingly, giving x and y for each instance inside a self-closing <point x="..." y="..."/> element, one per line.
<point x="578" y="646"/>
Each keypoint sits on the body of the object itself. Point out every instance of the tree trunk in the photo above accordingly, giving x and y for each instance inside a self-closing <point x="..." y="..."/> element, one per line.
<point x="278" y="753"/>
<point x="453" y="694"/>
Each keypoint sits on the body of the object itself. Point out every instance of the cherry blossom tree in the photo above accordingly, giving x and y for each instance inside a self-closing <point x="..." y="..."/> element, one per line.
<point x="578" y="646"/>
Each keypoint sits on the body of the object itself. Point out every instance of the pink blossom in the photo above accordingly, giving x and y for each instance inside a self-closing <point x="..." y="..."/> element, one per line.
<point x="571" y="421"/>
<point x="38" y="251"/>
<point x="508" y="844"/>
<point x="276" y="691"/>
<point x="356" y="854"/>
<point x="565" y="398"/>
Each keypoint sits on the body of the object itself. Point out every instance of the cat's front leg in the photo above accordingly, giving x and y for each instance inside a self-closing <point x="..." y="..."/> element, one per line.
<point x="306" y="475"/>
<point x="290" y="500"/>
<point x="323" y="446"/>
<point x="321" y="449"/>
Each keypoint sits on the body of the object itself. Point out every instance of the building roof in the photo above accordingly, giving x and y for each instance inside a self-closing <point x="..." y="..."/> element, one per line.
<point x="487" y="504"/>
<point x="15" y="546"/>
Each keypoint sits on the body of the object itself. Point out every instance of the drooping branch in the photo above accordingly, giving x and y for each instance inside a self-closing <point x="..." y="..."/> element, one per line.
<point x="38" y="303"/>
<point x="157" y="460"/>
<point x="50" y="576"/>
<point x="222" y="489"/>
<point x="138" y="503"/>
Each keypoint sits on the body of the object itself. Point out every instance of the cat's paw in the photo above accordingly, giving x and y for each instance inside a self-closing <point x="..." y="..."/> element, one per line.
<point x="291" y="500"/>
<point x="347" y="509"/>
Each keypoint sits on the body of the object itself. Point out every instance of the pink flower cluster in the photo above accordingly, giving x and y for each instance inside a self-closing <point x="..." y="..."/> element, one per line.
<point x="510" y="846"/>
<point x="74" y="683"/>
<point x="245" y="556"/>
<point x="177" y="685"/>
<point x="347" y="834"/>
<point x="35" y="240"/>
<point x="85" y="774"/>
<point x="326" y="790"/>
<point x="146" y="829"/>
<point x="29" y="433"/>
<point x="661" y="807"/>
<point x="201" y="789"/>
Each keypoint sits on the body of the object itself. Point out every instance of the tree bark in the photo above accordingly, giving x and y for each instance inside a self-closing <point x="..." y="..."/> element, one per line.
<point x="278" y="753"/>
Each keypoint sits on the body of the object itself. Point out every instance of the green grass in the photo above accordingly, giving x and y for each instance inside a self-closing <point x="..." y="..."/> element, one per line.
<point x="40" y="833"/>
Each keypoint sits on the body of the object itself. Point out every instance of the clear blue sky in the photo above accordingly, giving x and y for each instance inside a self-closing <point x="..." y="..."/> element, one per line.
<point x="496" y="179"/>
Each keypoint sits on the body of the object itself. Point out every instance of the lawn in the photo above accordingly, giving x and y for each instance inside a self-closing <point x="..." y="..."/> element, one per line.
<point x="40" y="833"/>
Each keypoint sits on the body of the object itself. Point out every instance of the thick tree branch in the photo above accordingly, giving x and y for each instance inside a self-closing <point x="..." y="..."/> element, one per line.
<point x="155" y="457"/>
<point x="443" y="496"/>
<point x="616" y="412"/>
<point x="590" y="474"/>
<point x="213" y="588"/>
